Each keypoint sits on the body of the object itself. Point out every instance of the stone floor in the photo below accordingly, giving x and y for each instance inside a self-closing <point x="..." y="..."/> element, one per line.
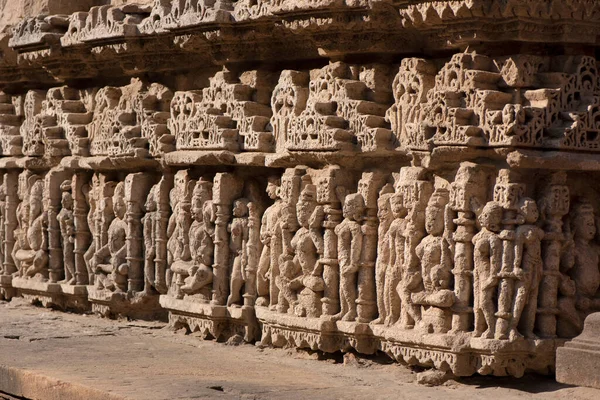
<point x="52" y="355"/>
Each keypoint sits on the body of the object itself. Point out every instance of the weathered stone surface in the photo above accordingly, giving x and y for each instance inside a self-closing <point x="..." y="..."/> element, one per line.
<point x="577" y="363"/>
<point x="287" y="173"/>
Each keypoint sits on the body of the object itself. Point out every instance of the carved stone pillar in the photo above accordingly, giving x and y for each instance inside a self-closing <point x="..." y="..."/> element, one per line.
<point x="416" y="189"/>
<point x="82" y="231"/>
<point x="163" y="210"/>
<point x="137" y="186"/>
<point x="327" y="182"/>
<point x="227" y="187"/>
<point x="368" y="187"/>
<point x="467" y="194"/>
<point x="11" y="180"/>
<point x="554" y="206"/>
<point x="253" y="249"/>
<point x="507" y="193"/>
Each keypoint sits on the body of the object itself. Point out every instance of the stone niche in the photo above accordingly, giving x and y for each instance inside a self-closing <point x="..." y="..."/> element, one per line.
<point x="288" y="174"/>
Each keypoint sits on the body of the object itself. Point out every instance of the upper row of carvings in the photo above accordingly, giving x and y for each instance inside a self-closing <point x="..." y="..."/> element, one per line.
<point x="131" y="20"/>
<point x="467" y="100"/>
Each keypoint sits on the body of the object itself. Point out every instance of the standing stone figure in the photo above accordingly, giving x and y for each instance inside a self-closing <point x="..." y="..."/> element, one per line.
<point x="91" y="195"/>
<point x="350" y="237"/>
<point x="238" y="247"/>
<point x="386" y="217"/>
<point x="270" y="236"/>
<point x="396" y="241"/>
<point x="488" y="262"/>
<point x="149" y="223"/>
<point x="527" y="271"/>
<point x="66" y="222"/>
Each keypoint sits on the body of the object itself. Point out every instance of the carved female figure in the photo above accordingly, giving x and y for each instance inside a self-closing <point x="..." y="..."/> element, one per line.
<point x="149" y="223"/>
<point x="270" y="236"/>
<point x="527" y="271"/>
<point x="350" y="237"/>
<point x="66" y="222"/>
<point x="488" y="261"/>
<point x="386" y="217"/>
<point x="238" y="247"/>
<point x="92" y="194"/>
<point x="393" y="274"/>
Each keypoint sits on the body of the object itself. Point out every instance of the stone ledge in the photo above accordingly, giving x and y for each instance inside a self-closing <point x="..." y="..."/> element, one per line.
<point x="30" y="385"/>
<point x="578" y="362"/>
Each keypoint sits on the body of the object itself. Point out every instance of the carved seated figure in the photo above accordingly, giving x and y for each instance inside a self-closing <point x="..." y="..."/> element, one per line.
<point x="308" y="245"/>
<point x="436" y="264"/>
<point x="31" y="254"/>
<point x="582" y="279"/>
<point x="289" y="281"/>
<point x="197" y="271"/>
<point x="110" y="261"/>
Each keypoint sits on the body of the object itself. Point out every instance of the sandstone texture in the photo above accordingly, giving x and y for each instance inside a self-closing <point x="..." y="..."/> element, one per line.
<point x="414" y="179"/>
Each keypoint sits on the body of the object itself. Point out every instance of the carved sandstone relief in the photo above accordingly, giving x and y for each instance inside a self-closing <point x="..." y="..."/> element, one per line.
<point x="130" y="121"/>
<point x="231" y="114"/>
<point x="513" y="101"/>
<point x="337" y="107"/>
<point x="468" y="261"/>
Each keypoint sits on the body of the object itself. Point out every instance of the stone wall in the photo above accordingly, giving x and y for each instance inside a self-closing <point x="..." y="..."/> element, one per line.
<point x="411" y="178"/>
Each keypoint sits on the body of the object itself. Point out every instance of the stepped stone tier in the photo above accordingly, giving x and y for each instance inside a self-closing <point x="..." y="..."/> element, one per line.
<point x="419" y="178"/>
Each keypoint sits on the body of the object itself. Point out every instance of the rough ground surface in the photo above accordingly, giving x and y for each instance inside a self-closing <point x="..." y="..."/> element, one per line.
<point x="53" y="355"/>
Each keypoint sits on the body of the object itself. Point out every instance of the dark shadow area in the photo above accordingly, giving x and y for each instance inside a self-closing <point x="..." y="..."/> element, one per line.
<point x="529" y="383"/>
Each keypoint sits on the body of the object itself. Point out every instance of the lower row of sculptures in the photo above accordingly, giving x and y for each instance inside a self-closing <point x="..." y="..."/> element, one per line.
<point x="470" y="270"/>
